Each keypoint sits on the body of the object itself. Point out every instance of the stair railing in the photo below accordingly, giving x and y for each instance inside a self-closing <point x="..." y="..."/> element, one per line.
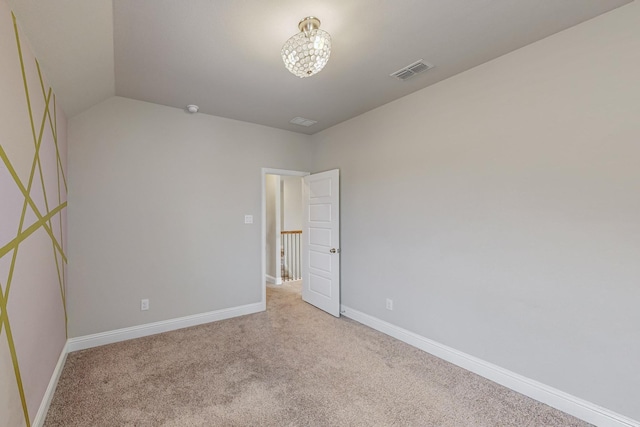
<point x="290" y="255"/>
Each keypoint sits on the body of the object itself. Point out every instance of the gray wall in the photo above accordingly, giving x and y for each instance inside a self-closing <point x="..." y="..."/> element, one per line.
<point x="32" y="284"/>
<point x="500" y="210"/>
<point x="152" y="213"/>
<point x="291" y="203"/>
<point x="272" y="201"/>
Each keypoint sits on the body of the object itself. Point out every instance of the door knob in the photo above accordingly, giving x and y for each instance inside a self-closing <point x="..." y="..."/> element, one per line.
<point x="334" y="250"/>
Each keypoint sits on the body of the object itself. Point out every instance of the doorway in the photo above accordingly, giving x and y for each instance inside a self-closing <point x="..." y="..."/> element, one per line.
<point x="320" y="236"/>
<point x="283" y="203"/>
<point x="281" y="226"/>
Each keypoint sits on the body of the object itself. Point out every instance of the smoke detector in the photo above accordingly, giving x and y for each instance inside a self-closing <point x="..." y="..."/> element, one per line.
<point x="192" y="108"/>
<point x="411" y="70"/>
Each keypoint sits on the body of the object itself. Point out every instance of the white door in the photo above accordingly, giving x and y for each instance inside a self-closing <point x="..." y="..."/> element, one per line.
<point x="321" y="241"/>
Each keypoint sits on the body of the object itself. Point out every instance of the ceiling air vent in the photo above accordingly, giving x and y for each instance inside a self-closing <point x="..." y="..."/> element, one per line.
<point x="302" y="121"/>
<point x="411" y="70"/>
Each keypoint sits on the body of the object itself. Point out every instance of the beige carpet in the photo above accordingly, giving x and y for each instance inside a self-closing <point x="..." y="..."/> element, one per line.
<point x="292" y="365"/>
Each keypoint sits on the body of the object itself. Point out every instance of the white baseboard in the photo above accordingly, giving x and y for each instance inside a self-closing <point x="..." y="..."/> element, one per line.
<point x="274" y="280"/>
<point x="95" y="340"/>
<point x="40" y="417"/>
<point x="565" y="402"/>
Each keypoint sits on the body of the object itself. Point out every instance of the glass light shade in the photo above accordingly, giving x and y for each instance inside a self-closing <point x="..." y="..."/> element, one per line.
<point x="306" y="53"/>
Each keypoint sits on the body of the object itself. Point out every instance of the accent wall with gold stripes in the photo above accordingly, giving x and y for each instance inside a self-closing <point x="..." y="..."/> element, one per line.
<point x="33" y="205"/>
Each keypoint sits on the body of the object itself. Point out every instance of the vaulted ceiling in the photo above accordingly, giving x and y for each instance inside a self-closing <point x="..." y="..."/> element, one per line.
<point x="224" y="55"/>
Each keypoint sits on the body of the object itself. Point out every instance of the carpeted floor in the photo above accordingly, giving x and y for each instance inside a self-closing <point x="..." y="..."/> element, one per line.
<point x="292" y="365"/>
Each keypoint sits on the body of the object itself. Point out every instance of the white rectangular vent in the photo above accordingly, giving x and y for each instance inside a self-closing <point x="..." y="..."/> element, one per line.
<point x="302" y="121"/>
<point x="411" y="70"/>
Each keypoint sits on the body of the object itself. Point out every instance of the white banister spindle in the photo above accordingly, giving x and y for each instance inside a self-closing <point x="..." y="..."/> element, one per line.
<point x="290" y="254"/>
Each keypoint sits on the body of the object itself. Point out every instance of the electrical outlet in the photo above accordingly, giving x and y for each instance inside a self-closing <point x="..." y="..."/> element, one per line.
<point x="248" y="219"/>
<point x="389" y="304"/>
<point x="144" y="304"/>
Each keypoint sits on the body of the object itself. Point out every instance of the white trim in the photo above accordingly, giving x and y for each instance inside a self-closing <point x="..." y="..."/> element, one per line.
<point x="283" y="172"/>
<point x="565" y="402"/>
<point x="274" y="280"/>
<point x="95" y="340"/>
<point x="277" y="261"/>
<point x="41" y="415"/>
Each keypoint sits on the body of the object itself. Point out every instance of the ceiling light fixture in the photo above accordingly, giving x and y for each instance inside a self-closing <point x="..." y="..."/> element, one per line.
<point x="192" y="108"/>
<point x="306" y="53"/>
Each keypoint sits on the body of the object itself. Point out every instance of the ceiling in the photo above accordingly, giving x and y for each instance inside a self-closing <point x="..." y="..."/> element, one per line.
<point x="224" y="55"/>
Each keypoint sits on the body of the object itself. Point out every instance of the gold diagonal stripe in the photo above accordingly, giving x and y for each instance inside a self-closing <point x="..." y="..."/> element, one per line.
<point x="4" y="320"/>
<point x="1" y="310"/>
<point x="24" y="75"/>
<point x="44" y="188"/>
<point x="36" y="142"/>
<point x="38" y="161"/>
<point x="61" y="285"/>
<point x="54" y="128"/>
<point x="28" y="201"/>
<point x="55" y="123"/>
<point x="44" y="92"/>
<point x="55" y="257"/>
<point x="29" y="231"/>
<point x="58" y="169"/>
<point x="12" y="171"/>
<point x="27" y="193"/>
<point x="47" y="98"/>
<point x="55" y="132"/>
<point x="23" y="216"/>
<point x="55" y="116"/>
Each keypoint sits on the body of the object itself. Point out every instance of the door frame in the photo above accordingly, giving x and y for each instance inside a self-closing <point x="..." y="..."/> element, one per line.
<point x="265" y="172"/>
